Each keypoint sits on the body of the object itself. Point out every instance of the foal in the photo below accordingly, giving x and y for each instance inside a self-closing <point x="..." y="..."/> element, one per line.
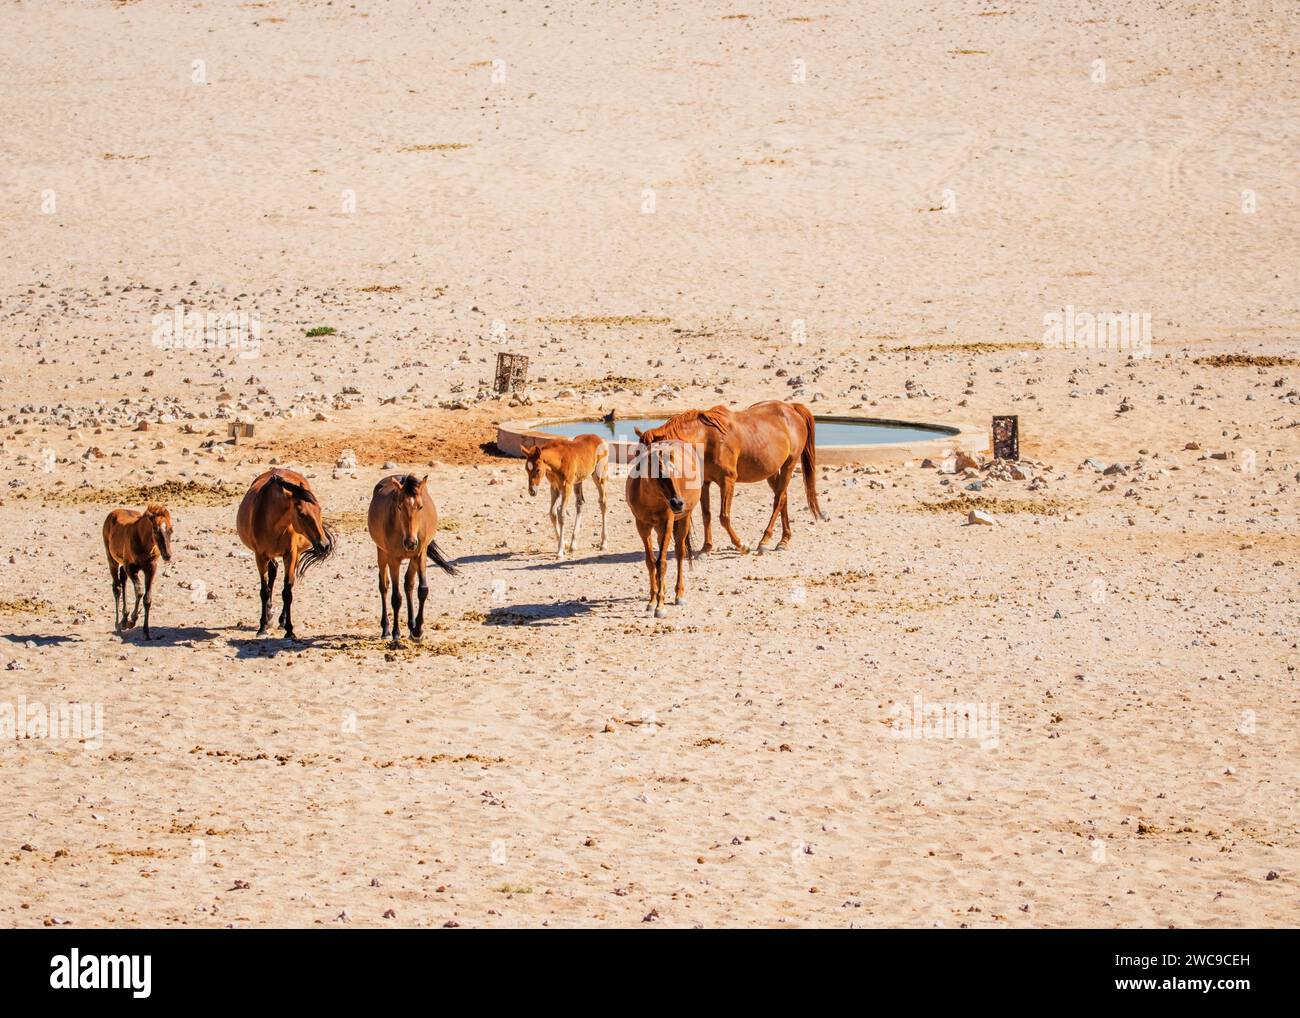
<point x="567" y="462"/>
<point x="663" y="489"/>
<point x="402" y="522"/>
<point x="134" y="542"/>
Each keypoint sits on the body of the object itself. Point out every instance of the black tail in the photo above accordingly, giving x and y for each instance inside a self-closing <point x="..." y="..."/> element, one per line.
<point x="439" y="559"/>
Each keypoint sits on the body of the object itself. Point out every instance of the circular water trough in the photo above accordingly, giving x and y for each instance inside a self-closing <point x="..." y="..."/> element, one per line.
<point x="840" y="438"/>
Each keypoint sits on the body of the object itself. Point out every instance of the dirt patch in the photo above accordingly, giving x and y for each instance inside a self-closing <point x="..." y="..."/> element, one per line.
<point x="457" y="438"/>
<point x="1245" y="360"/>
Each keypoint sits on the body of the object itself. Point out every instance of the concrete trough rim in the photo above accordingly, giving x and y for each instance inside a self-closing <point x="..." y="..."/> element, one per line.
<point x="511" y="435"/>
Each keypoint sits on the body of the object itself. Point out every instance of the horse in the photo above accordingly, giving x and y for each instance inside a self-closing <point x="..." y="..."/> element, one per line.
<point x="567" y="462"/>
<point x="134" y="542"/>
<point x="763" y="442"/>
<point x="402" y="521"/>
<point x="280" y="518"/>
<point x="663" y="488"/>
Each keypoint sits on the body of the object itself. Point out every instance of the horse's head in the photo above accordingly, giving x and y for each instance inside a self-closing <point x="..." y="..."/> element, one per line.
<point x="161" y="521"/>
<point x="674" y="466"/>
<point x="407" y="509"/>
<point x="533" y="463"/>
<point x="305" y="517"/>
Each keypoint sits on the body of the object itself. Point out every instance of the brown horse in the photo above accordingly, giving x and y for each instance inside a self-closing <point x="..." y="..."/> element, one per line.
<point x="280" y="518"/>
<point x="402" y="523"/>
<point x="663" y="488"/>
<point x="134" y="542"/>
<point x="761" y="443"/>
<point x="567" y="462"/>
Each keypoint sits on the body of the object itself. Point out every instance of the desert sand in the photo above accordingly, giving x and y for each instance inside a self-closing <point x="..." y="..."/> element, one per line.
<point x="867" y="208"/>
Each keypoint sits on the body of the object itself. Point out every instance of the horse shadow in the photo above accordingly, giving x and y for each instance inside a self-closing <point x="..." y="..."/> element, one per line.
<point x="169" y="636"/>
<point x="538" y="614"/>
<point x="39" y="640"/>
<point x="271" y="645"/>
<point x="495" y="556"/>
<point x="606" y="556"/>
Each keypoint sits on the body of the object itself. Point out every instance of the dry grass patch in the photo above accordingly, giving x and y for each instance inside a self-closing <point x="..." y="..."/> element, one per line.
<point x="169" y="493"/>
<point x="607" y="320"/>
<point x="449" y="146"/>
<point x="959" y="347"/>
<point x="1245" y="360"/>
<point x="1005" y="506"/>
<point x="24" y="606"/>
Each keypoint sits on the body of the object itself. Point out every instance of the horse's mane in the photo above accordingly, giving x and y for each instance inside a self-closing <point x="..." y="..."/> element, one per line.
<point x="410" y="485"/>
<point x="718" y="418"/>
<point x="295" y="490"/>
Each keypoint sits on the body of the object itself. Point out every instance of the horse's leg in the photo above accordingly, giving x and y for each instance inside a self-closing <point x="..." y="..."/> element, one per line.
<point x="148" y="594"/>
<point x="579" y="499"/>
<point x="708" y="518"/>
<point x="644" y="530"/>
<point x="286" y="595"/>
<point x="119" y="592"/>
<point x="383" y="596"/>
<point x="681" y="531"/>
<point x="134" y="617"/>
<point x="665" y="532"/>
<point x="555" y="519"/>
<point x="599" y="480"/>
<point x="785" y="517"/>
<point x="779" y="483"/>
<point x="409" y="587"/>
<point x="395" y="577"/>
<point x="420" y="563"/>
<point x="559" y="523"/>
<point x="728" y="486"/>
<point x="266" y="570"/>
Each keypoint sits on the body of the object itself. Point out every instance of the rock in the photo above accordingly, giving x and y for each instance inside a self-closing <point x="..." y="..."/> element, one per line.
<point x="979" y="516"/>
<point x="1095" y="464"/>
<point x="1115" y="468"/>
<point x="948" y="466"/>
<point x="1192" y="446"/>
<point x="347" y="460"/>
<point x="965" y="461"/>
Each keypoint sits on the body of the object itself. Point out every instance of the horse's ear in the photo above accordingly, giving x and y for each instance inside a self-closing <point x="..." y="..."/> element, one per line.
<point x="529" y="451"/>
<point x="424" y="481"/>
<point x="638" y="431"/>
<point x="297" y="491"/>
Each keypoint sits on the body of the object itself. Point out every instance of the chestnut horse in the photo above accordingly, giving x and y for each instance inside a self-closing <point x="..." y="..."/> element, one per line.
<point x="134" y="542"/>
<point x="567" y="462"/>
<point x="402" y="522"/>
<point x="663" y="488"/>
<point x="761" y="443"/>
<point x="280" y="518"/>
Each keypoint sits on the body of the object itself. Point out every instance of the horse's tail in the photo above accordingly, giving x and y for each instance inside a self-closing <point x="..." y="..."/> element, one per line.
<point x="439" y="559"/>
<point x="808" y="461"/>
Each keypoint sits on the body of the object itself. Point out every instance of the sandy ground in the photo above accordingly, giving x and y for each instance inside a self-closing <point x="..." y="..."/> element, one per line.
<point x="547" y="754"/>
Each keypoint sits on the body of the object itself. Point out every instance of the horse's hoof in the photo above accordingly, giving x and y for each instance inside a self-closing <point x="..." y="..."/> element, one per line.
<point x="289" y="635"/>
<point x="262" y="631"/>
<point x="743" y="550"/>
<point x="660" y="613"/>
<point x="680" y="600"/>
